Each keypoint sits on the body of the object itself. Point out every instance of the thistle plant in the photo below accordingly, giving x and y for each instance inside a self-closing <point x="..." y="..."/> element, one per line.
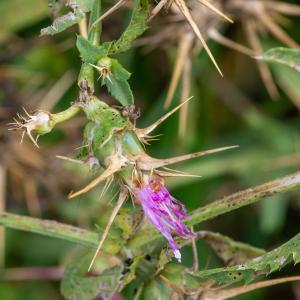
<point x="115" y="148"/>
<point x="113" y="142"/>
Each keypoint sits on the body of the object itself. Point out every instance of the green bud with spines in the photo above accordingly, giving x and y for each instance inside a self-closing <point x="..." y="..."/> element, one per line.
<point x="42" y="122"/>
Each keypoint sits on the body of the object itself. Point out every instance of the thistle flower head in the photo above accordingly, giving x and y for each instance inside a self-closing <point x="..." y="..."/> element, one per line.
<point x="164" y="211"/>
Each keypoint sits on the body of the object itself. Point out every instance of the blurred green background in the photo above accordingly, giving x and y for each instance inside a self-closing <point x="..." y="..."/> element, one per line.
<point x="40" y="73"/>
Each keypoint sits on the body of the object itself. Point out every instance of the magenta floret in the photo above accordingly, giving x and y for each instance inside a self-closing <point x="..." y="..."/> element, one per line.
<point x="166" y="213"/>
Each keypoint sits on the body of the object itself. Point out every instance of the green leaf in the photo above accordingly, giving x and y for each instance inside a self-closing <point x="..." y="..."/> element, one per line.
<point x="90" y="53"/>
<point x="130" y="271"/>
<point x="63" y="22"/>
<point x="180" y="278"/>
<point x="76" y="285"/>
<point x="79" y="8"/>
<point x="285" y="56"/>
<point x="264" y="264"/>
<point x="128" y="221"/>
<point x="137" y="25"/>
<point x="157" y="289"/>
<point x="119" y="72"/>
<point x="113" y="276"/>
<point x="116" y="80"/>
<point x="119" y="89"/>
<point x="230" y="252"/>
<point x="84" y="5"/>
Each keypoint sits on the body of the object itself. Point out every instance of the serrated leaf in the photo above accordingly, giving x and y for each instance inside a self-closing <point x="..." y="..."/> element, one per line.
<point x="116" y="81"/>
<point x="90" y="53"/>
<point x="63" y="22"/>
<point x="119" y="89"/>
<point x="264" y="264"/>
<point x="187" y="286"/>
<point x="285" y="56"/>
<point x="230" y="252"/>
<point x="137" y="25"/>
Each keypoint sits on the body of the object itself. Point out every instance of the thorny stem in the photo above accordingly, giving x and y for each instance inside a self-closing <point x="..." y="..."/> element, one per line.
<point x="90" y="239"/>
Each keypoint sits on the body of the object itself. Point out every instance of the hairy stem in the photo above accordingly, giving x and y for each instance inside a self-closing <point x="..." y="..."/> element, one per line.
<point x="50" y="228"/>
<point x="246" y="197"/>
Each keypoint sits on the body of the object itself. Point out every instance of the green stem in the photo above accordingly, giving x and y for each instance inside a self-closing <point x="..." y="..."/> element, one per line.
<point x="65" y="115"/>
<point x="86" y="75"/>
<point x="57" y="230"/>
<point x="95" y="31"/>
<point x="86" y="80"/>
<point x="50" y="228"/>
<point x="246" y="197"/>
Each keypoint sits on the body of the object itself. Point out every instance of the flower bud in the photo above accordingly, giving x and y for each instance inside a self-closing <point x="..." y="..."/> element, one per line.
<point x="104" y="67"/>
<point x="42" y="122"/>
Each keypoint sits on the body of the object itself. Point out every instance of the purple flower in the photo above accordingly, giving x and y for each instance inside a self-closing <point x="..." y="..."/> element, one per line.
<point x="165" y="212"/>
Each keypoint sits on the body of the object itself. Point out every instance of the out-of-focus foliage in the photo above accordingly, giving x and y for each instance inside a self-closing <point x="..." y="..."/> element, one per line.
<point x="285" y="56"/>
